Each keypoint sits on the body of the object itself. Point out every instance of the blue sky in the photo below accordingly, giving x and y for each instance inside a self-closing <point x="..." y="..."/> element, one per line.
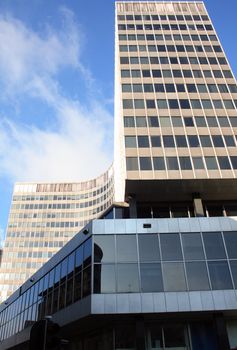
<point x="56" y="81"/>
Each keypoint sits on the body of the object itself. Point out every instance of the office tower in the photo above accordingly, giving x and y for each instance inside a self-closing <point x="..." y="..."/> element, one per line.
<point x="44" y="217"/>
<point x="158" y="271"/>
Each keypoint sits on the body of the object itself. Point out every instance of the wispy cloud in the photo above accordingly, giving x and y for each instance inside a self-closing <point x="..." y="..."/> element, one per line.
<point x="77" y="142"/>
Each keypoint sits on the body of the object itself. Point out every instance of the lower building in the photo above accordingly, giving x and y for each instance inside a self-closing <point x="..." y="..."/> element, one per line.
<point x="125" y="283"/>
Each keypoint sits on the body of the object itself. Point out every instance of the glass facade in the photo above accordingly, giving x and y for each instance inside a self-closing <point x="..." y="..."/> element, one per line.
<point x="128" y="263"/>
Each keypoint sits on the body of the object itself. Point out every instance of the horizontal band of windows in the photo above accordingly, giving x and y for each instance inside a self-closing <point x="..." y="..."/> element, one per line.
<point x="190" y="88"/>
<point x="162" y="17"/>
<point x="175" y="73"/>
<point x="183" y="163"/>
<point x="166" y="48"/>
<point x="178" y="104"/>
<point x="131" y="26"/>
<point x="164" y="37"/>
<point x="199" y="121"/>
<point x="170" y="141"/>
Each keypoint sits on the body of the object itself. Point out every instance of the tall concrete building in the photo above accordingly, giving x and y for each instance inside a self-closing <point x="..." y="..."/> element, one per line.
<point x="160" y="270"/>
<point x="43" y="218"/>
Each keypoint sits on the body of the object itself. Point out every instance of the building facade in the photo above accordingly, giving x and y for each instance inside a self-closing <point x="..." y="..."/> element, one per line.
<point x="158" y="271"/>
<point x="43" y="218"/>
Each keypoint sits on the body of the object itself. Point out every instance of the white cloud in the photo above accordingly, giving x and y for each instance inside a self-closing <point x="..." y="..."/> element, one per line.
<point x="77" y="143"/>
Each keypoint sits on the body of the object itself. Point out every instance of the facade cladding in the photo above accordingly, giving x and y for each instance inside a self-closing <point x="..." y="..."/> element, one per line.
<point x="43" y="218"/>
<point x="158" y="270"/>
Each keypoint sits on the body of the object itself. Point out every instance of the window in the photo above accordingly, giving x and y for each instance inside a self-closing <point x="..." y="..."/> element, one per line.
<point x="200" y="121"/>
<point x="191" y="88"/>
<point x="205" y="141"/>
<point x="224" y="163"/>
<point x="168" y="141"/>
<point x="165" y="122"/>
<point x="130" y="141"/>
<point x="159" y="88"/>
<point x="156" y="73"/>
<point x="212" y="88"/>
<point x="173" y="104"/>
<point x="231" y="244"/>
<point x="229" y="104"/>
<point x="180" y="87"/>
<point x="143" y="141"/>
<point x="146" y="73"/>
<point x="193" y="141"/>
<point x="195" y="104"/>
<point x="184" y="104"/>
<point x="155" y="141"/>
<point x="139" y="104"/>
<point x="197" y="275"/>
<point x="212" y="122"/>
<point x="173" y="276"/>
<point x="104" y="248"/>
<point x="126" y="88"/>
<point x="172" y="163"/>
<point x="201" y="88"/>
<point x="162" y="104"/>
<point x="137" y="87"/>
<point x="198" y="163"/>
<point x="129" y="122"/>
<point x="132" y="163"/>
<point x="188" y="121"/>
<point x="153" y="122"/>
<point x="150" y="104"/>
<point x="206" y="104"/>
<point x="223" y="88"/>
<point x="177" y="121"/>
<point x="127" y="104"/>
<point x="127" y="278"/>
<point x="126" y="248"/>
<point x="148" y="248"/>
<point x="220" y="275"/>
<point x="104" y="278"/>
<point x="211" y="163"/>
<point x="192" y="246"/>
<point x="223" y="121"/>
<point x="148" y="88"/>
<point x="159" y="163"/>
<point x="166" y="73"/>
<point x="135" y="73"/>
<point x="185" y="163"/>
<point x="217" y="141"/>
<point x="125" y="73"/>
<point x="229" y="141"/>
<point x="124" y="60"/>
<point x="214" y="245"/>
<point x="181" y="141"/>
<point x="134" y="60"/>
<point x="234" y="162"/>
<point x="169" y="88"/>
<point x="151" y="277"/>
<point x="145" y="163"/>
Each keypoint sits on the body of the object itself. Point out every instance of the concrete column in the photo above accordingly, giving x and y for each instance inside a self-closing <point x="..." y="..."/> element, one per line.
<point x="132" y="207"/>
<point x="140" y="334"/>
<point x="197" y="204"/>
<point x="221" y="330"/>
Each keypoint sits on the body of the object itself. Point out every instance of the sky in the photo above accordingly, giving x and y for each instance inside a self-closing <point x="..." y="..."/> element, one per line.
<point x="57" y="88"/>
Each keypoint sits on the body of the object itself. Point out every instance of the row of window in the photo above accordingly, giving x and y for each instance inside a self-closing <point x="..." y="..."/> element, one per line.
<point x="175" y="60"/>
<point x="199" y="121"/>
<point x="60" y="197"/>
<point x="131" y="26"/>
<point x="179" y="104"/>
<point x="47" y="224"/>
<point x="190" y="88"/>
<point x="169" y="37"/>
<point x="183" y="163"/>
<point x="33" y="244"/>
<point x="175" y="73"/>
<point x="170" y="141"/>
<point x="39" y="234"/>
<point x="61" y="206"/>
<point x="166" y="48"/>
<point x="47" y="215"/>
<point x="162" y="17"/>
